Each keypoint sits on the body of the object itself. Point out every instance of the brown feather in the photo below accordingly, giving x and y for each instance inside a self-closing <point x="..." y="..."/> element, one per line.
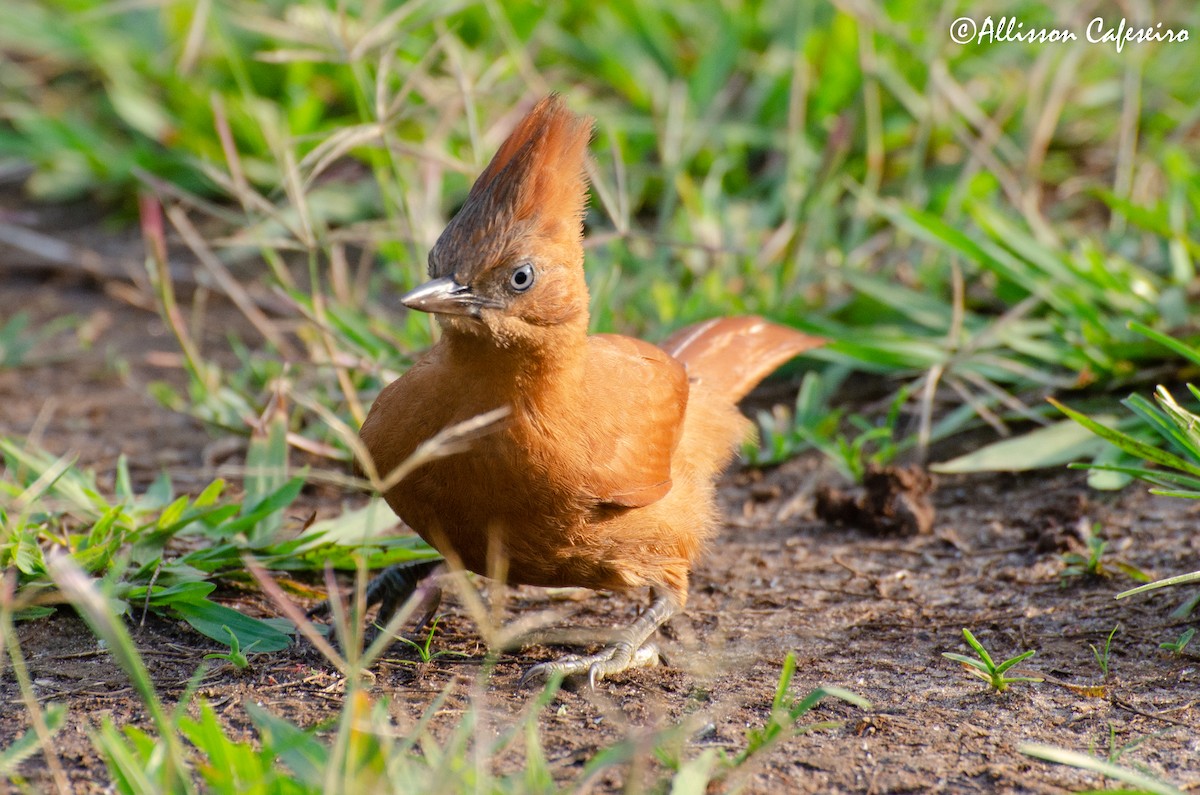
<point x="534" y="187"/>
<point x="637" y="395"/>
<point x="603" y="475"/>
<point x="733" y="354"/>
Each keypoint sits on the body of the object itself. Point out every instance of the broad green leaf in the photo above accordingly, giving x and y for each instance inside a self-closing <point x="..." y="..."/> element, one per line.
<point x="210" y="618"/>
<point x="371" y="522"/>
<point x="33" y="613"/>
<point x="28" y="557"/>
<point x="304" y="755"/>
<point x="254" y="514"/>
<point x="1054" y="445"/>
<point x="210" y="494"/>
<point x="196" y="592"/>
<point x="160" y="491"/>
<point x="172" y="512"/>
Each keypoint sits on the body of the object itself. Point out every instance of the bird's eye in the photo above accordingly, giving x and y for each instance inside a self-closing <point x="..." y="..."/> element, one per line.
<point x="521" y="278"/>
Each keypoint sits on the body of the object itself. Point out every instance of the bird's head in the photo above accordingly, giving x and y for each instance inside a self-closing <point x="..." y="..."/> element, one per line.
<point x="509" y="267"/>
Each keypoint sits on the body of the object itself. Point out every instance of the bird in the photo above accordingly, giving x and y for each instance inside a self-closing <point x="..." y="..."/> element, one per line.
<point x="602" y="473"/>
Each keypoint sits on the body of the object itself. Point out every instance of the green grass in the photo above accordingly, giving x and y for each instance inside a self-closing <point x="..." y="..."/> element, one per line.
<point x="1094" y="564"/>
<point x="52" y="508"/>
<point x="1180" y="644"/>
<point x="975" y="227"/>
<point x="1141" y="782"/>
<point x="1103" y="654"/>
<point x="994" y="674"/>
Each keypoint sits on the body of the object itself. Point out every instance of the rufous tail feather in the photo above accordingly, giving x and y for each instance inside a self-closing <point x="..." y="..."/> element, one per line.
<point x="732" y="354"/>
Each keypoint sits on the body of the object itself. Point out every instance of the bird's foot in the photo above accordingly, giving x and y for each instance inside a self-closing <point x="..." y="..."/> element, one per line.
<point x="608" y="661"/>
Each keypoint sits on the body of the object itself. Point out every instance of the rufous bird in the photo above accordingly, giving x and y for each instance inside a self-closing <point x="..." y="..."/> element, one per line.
<point x="602" y="474"/>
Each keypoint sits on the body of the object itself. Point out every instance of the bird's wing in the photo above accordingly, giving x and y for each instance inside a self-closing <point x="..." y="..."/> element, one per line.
<point x="636" y="399"/>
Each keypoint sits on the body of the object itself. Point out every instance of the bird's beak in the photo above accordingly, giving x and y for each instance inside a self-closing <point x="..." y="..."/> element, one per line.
<point x="444" y="296"/>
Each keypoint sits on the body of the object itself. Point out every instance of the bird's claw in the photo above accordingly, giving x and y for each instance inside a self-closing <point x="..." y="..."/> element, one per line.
<point x="611" y="660"/>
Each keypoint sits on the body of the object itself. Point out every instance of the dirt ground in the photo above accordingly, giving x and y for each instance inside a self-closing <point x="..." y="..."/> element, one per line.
<point x="868" y="611"/>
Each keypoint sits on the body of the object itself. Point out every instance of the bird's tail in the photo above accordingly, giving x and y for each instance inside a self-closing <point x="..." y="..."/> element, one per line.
<point x="730" y="355"/>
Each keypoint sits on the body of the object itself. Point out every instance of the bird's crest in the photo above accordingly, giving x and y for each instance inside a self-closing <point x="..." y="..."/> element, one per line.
<point x="535" y="185"/>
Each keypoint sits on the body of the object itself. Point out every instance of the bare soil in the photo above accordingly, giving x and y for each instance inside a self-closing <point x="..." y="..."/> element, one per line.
<point x="867" y="608"/>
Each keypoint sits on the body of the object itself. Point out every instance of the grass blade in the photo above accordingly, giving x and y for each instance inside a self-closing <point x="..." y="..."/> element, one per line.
<point x="1062" y="756"/>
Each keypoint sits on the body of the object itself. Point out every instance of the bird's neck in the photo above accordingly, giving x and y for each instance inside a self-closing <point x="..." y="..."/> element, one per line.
<point x="552" y="363"/>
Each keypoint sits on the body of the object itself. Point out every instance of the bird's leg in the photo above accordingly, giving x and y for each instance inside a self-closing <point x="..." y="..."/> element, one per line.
<point x="392" y="588"/>
<point x="397" y="584"/>
<point x="629" y="649"/>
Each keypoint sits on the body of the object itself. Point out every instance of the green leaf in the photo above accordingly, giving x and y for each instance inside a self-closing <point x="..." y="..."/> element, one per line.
<point x="965" y="660"/>
<point x="138" y="110"/>
<point x="254" y="517"/>
<point x="1167" y="341"/>
<point x="33" y="613"/>
<point x="695" y="775"/>
<point x="370" y="523"/>
<point x="129" y="771"/>
<point x="160" y="491"/>
<point x="1130" y="571"/>
<point x="1009" y="663"/>
<point x="210" y="494"/>
<point x="28" y="555"/>
<point x="1100" y="477"/>
<point x="304" y="755"/>
<point x="1165" y="422"/>
<point x="978" y="647"/>
<point x="172" y="512"/>
<point x="124" y="486"/>
<point x="194" y="592"/>
<point x="51" y="475"/>
<point x="211" y="619"/>
<point x="922" y="308"/>
<point x="1054" y="445"/>
<point x="1126" y="442"/>
<point x="1185" y="431"/>
<point x="1084" y="762"/>
<point x="1161" y="477"/>
<point x="266" y="474"/>
<point x="1179" y="580"/>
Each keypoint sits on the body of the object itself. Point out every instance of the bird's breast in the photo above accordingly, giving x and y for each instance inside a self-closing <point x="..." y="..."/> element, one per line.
<point x="504" y="502"/>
